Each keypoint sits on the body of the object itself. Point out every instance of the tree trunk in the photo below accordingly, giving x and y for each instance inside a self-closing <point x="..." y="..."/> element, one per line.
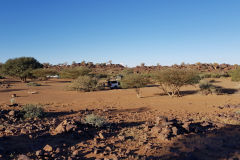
<point x="138" y="92"/>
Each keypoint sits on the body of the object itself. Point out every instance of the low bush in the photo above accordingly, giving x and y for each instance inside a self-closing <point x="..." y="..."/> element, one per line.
<point x="94" y="120"/>
<point x="171" y="80"/>
<point x="136" y="81"/>
<point x="235" y="74"/>
<point x="205" y="75"/>
<point x="84" y="83"/>
<point x="127" y="71"/>
<point x="12" y="101"/>
<point x="32" y="111"/>
<point x="74" y="73"/>
<point x="207" y="88"/>
<point x="213" y="75"/>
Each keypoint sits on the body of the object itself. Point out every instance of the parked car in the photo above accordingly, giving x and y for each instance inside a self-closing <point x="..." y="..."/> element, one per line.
<point x="113" y="84"/>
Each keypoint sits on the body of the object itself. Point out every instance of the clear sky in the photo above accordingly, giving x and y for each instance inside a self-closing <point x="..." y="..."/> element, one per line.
<point x="124" y="31"/>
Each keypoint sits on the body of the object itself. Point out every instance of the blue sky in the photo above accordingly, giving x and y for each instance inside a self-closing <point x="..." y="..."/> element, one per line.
<point x="124" y="31"/>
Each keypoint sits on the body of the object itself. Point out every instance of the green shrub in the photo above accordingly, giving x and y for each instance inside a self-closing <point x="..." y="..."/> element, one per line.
<point x="171" y="80"/>
<point x="43" y="74"/>
<point x="136" y="81"/>
<point x="12" y="101"/>
<point x="74" y="73"/>
<point x="32" y="111"/>
<point x="204" y="84"/>
<point x="235" y="74"/>
<point x="84" y="83"/>
<point x="126" y="71"/>
<point x="94" y="120"/>
<point x="213" y="75"/>
<point x="207" y="88"/>
<point x="33" y="84"/>
<point x="205" y="75"/>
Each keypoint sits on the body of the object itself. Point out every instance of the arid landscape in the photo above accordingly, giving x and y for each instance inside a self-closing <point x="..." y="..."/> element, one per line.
<point x="156" y="126"/>
<point x="119" y="80"/>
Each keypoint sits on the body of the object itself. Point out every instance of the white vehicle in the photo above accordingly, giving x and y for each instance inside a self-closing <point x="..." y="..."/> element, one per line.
<point x="53" y="76"/>
<point x="113" y="84"/>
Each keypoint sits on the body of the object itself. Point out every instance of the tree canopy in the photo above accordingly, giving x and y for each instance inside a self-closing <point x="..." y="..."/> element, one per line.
<point x="20" y="67"/>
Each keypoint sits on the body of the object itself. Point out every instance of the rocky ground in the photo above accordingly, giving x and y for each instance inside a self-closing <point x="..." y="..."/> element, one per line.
<point x="126" y="135"/>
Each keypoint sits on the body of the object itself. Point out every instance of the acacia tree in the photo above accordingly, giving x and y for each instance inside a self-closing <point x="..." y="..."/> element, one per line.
<point x="43" y="73"/>
<point x="136" y="81"/>
<point x="171" y="80"/>
<point x="20" y="67"/>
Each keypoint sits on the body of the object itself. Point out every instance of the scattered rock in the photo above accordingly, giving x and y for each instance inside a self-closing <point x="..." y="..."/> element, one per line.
<point x="101" y="135"/>
<point x="70" y="127"/>
<point x="11" y="113"/>
<point x="48" y="148"/>
<point x="75" y="153"/>
<point x="23" y="157"/>
<point x="39" y="153"/>
<point x="24" y="131"/>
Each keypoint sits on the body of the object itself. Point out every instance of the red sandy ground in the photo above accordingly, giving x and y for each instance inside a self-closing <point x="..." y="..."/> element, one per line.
<point x="54" y="93"/>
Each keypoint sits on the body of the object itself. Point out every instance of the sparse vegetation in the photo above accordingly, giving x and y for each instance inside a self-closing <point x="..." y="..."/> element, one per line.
<point x="208" y="88"/>
<point x="171" y="80"/>
<point x="84" y="83"/>
<point x="32" y="111"/>
<point x="213" y="75"/>
<point x="95" y="120"/>
<point x="74" y="73"/>
<point x="235" y="74"/>
<point x="43" y="74"/>
<point x="127" y="71"/>
<point x="136" y="81"/>
<point x="12" y="101"/>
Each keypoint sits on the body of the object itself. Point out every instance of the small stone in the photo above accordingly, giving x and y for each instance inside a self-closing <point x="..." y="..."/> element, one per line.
<point x="48" y="148"/>
<point x="24" y="131"/>
<point x="161" y="119"/>
<point x="73" y="148"/>
<point x="156" y="130"/>
<point x="121" y="138"/>
<point x="60" y="129"/>
<point x="101" y="136"/>
<point x="57" y="150"/>
<point x="175" y="130"/>
<point x="75" y="153"/>
<point x="39" y="153"/>
<point x="96" y="151"/>
<point x="23" y="157"/>
<point x="2" y="127"/>
<point x="11" y="113"/>
<point x="108" y="148"/>
<point x="70" y="127"/>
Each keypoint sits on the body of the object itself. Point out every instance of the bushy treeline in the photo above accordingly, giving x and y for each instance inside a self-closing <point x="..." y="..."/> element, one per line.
<point x="169" y="80"/>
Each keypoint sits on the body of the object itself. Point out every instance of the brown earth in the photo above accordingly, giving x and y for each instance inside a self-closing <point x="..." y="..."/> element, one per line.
<point x="136" y="131"/>
<point x="55" y="92"/>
